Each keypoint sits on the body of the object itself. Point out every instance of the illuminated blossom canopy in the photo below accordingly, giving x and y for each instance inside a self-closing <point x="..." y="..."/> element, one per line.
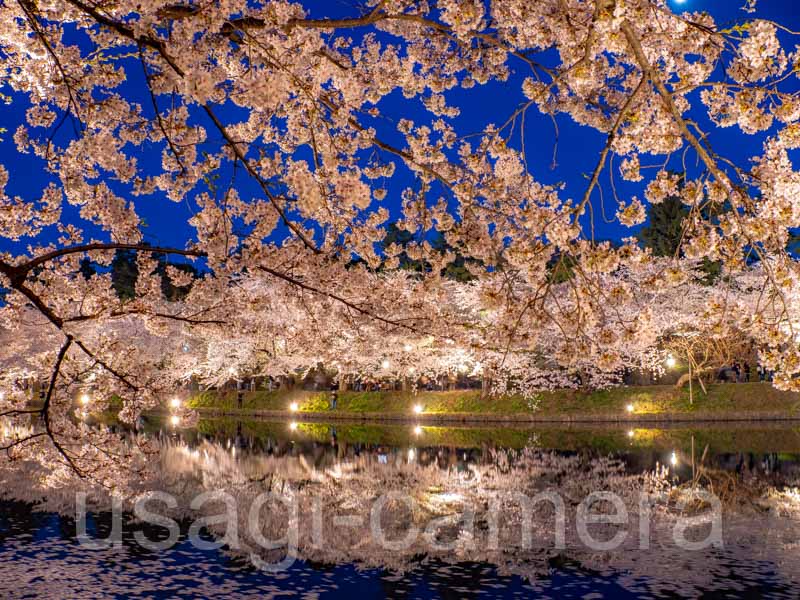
<point x="293" y="138"/>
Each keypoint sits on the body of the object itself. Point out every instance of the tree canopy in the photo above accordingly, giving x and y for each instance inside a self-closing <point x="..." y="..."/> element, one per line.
<point x="274" y="142"/>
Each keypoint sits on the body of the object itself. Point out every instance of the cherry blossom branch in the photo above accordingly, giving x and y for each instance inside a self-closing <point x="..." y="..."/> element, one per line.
<point x="705" y="157"/>
<point x="669" y="104"/>
<point x="34" y="23"/>
<point x="95" y="246"/>
<point x="19" y="442"/>
<point x="260" y="180"/>
<point x="126" y="31"/>
<point x="19" y="285"/>
<point x="344" y="301"/>
<point x="123" y="313"/>
<point x="160" y="47"/>
<point x="160" y="121"/>
<point x="20" y="411"/>
<point x="623" y="113"/>
<point x="46" y="407"/>
<point x="375" y="17"/>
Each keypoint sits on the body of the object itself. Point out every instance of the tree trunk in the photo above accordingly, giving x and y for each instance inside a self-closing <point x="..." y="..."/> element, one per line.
<point x="486" y="386"/>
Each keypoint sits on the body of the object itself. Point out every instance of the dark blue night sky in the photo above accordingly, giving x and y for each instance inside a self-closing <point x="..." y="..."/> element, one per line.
<point x="578" y="146"/>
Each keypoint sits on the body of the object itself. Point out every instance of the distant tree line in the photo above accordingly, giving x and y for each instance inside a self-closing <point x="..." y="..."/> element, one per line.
<point x="125" y="272"/>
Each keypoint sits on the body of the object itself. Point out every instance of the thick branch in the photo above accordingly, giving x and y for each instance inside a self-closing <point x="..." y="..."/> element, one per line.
<point x="669" y="103"/>
<point x="59" y="323"/>
<point x="126" y="31"/>
<point x="101" y="246"/>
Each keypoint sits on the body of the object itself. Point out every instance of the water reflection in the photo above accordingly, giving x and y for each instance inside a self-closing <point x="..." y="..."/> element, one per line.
<point x="465" y="499"/>
<point x="759" y="450"/>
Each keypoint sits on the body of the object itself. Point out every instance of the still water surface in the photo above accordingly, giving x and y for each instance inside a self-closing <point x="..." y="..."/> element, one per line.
<point x="40" y="555"/>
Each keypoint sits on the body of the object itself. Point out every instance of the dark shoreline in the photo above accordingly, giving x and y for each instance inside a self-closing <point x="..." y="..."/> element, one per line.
<point x="477" y="418"/>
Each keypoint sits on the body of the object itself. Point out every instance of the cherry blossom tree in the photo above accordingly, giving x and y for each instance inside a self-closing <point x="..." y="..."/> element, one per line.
<point x="276" y="126"/>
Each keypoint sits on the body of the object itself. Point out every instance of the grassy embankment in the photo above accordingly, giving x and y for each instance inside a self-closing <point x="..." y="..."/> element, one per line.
<point x="741" y="401"/>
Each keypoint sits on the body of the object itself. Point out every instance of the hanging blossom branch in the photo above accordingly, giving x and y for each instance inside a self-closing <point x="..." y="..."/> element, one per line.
<point x="48" y="426"/>
<point x="45" y="413"/>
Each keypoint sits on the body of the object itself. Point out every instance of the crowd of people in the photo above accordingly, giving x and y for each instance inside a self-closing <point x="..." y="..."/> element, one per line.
<point x="742" y="373"/>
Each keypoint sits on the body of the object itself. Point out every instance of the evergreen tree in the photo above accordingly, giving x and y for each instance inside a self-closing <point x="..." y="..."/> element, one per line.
<point x="124" y="273"/>
<point x="401" y="237"/>
<point x="665" y="226"/>
<point x="664" y="231"/>
<point x="87" y="268"/>
<point x="457" y="268"/>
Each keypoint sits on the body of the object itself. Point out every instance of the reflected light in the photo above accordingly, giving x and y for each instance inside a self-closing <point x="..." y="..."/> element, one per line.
<point x="293" y="426"/>
<point x="630" y="408"/>
<point x="448" y="497"/>
<point x="418" y="408"/>
<point x="673" y="460"/>
<point x="294" y="407"/>
<point x="175" y="420"/>
<point x="417" y="430"/>
<point x="412" y="454"/>
<point x="175" y="403"/>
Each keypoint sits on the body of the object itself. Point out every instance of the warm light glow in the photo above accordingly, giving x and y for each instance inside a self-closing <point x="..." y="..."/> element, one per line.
<point x="294" y="407"/>
<point x="175" y="420"/>
<point x="418" y="408"/>
<point x="631" y="433"/>
<point x="175" y="403"/>
<point x="417" y="430"/>
<point x="407" y="348"/>
<point x="670" y="361"/>
<point x="630" y="408"/>
<point x="412" y="454"/>
<point x="85" y="399"/>
<point x="673" y="460"/>
<point x="462" y="368"/>
<point x="446" y="498"/>
<point x="293" y="426"/>
<point x="385" y="364"/>
<point x="412" y="370"/>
